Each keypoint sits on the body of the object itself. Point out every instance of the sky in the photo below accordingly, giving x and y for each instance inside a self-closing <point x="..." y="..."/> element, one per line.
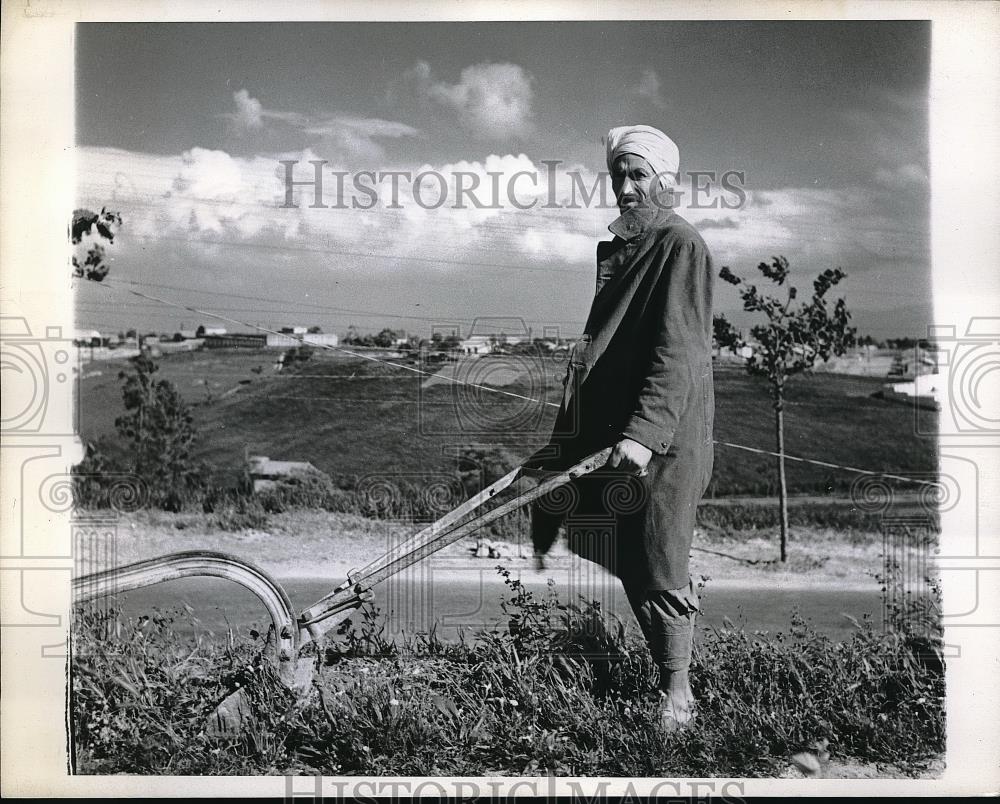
<point x="182" y="128"/>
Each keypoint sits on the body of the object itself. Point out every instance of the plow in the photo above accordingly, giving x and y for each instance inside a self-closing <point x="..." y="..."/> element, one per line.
<point x="291" y="631"/>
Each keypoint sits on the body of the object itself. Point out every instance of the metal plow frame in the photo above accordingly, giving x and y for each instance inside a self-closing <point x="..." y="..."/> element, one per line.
<point x="292" y="632"/>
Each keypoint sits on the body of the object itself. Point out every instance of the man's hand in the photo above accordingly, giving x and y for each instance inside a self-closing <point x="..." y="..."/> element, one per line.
<point x="630" y="456"/>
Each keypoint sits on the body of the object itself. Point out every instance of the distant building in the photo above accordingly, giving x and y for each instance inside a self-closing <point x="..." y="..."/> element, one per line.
<point x="477" y="345"/>
<point x="727" y="354"/>
<point x="294" y="330"/>
<point x="910" y="363"/>
<point x="189" y="345"/>
<point x="287" y="341"/>
<point x="267" y="474"/>
<point x="237" y="340"/>
<point x="270" y="340"/>
<point x="88" y="337"/>
<point x="924" y="391"/>
<point x="488" y="344"/>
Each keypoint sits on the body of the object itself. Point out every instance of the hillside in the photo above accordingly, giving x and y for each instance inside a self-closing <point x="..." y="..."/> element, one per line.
<point x="351" y="417"/>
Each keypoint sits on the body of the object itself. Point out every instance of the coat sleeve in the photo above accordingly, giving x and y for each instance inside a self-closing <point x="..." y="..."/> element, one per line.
<point x="681" y="329"/>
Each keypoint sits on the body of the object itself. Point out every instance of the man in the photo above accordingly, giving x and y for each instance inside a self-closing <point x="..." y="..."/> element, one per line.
<point x="640" y="381"/>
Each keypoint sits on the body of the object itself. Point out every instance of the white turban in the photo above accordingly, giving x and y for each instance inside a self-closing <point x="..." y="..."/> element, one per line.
<point x="650" y="143"/>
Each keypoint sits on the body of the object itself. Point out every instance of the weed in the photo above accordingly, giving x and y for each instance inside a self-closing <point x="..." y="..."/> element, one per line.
<point x="240" y="513"/>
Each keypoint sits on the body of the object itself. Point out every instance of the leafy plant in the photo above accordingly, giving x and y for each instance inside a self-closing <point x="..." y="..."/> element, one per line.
<point x="93" y="265"/>
<point x="159" y="428"/>
<point x="789" y="343"/>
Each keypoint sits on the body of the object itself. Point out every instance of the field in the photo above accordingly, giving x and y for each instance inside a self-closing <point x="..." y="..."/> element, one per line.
<point x="353" y="418"/>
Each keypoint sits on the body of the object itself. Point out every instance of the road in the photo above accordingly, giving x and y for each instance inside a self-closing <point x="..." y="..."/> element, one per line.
<point x="468" y="603"/>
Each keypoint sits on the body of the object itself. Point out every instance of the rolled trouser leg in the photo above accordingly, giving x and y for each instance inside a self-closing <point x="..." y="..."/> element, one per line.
<point x="667" y="621"/>
<point x="672" y="646"/>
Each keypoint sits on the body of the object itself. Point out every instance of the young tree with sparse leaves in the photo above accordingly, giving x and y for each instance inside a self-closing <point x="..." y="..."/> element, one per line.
<point x="790" y="342"/>
<point x="160" y="429"/>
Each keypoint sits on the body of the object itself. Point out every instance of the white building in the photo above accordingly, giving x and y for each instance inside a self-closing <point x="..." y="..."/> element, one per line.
<point x="477" y="345"/>
<point x="268" y="474"/>
<point x="311" y="338"/>
<point x="87" y="337"/>
<point x="487" y="344"/>
<point x="925" y="390"/>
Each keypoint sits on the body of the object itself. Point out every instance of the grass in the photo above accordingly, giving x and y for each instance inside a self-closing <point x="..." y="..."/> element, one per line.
<point x="360" y="421"/>
<point x="556" y="687"/>
<point x="854" y="523"/>
<point x="396" y="450"/>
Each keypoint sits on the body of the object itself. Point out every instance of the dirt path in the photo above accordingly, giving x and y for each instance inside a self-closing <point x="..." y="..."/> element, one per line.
<point x="317" y="544"/>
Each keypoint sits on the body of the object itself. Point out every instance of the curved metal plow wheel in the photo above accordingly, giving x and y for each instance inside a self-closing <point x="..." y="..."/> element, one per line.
<point x="231" y="713"/>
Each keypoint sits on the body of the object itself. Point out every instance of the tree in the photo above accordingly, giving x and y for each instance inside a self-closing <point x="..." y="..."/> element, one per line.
<point x="92" y="264"/>
<point x="160" y="428"/>
<point x="791" y="342"/>
<point x="385" y="338"/>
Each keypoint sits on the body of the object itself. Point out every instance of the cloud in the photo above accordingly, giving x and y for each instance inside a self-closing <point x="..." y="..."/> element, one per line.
<point x="205" y="198"/>
<point x="249" y="111"/>
<point x="648" y="89"/>
<point x="907" y="175"/>
<point x="356" y="139"/>
<point x="341" y="136"/>
<point x="220" y="209"/>
<point x="368" y="127"/>
<point x="208" y="174"/>
<point x="250" y="114"/>
<point x="491" y="101"/>
<point x="201" y="193"/>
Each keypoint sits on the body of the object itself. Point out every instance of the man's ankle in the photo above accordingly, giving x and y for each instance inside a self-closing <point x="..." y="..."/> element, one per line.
<point x="672" y="681"/>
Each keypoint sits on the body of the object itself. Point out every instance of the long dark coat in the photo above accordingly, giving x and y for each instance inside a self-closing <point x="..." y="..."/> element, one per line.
<point x="642" y="370"/>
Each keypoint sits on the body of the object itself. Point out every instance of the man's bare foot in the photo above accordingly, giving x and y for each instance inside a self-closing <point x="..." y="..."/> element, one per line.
<point x="677" y="705"/>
